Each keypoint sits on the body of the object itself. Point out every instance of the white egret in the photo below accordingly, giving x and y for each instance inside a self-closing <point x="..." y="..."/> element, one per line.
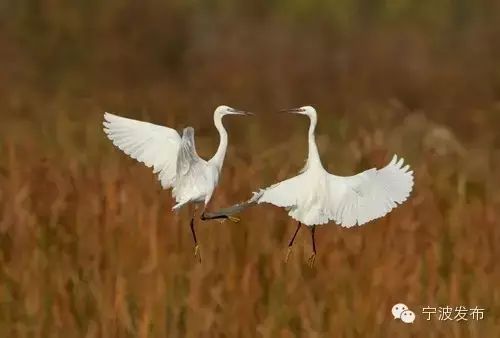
<point x="316" y="197"/>
<point x="174" y="158"/>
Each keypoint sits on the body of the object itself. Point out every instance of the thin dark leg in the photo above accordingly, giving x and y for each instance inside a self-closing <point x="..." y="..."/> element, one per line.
<point x="196" y="248"/>
<point x="291" y="242"/>
<point x="294" y="235"/>
<point x="313" y="256"/>
<point x="314" y="242"/>
<point x="193" y="232"/>
<point x="203" y="217"/>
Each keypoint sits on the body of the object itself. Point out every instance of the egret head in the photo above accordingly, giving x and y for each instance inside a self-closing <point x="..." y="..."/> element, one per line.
<point x="220" y="111"/>
<point x="305" y="110"/>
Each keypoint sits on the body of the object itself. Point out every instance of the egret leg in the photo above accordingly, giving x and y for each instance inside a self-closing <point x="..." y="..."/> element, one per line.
<point x="196" y="247"/>
<point x="233" y="219"/>
<point x="291" y="242"/>
<point x="313" y="256"/>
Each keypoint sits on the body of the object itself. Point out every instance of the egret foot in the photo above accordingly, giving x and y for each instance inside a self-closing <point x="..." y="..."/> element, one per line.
<point x="289" y="251"/>
<point x="233" y="219"/>
<point x="197" y="253"/>
<point x="311" y="260"/>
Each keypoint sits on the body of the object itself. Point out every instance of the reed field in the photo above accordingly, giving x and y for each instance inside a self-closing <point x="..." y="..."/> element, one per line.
<point x="89" y="246"/>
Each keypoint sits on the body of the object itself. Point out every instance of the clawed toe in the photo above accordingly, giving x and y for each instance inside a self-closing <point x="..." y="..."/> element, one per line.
<point x="197" y="253"/>
<point x="289" y="251"/>
<point x="311" y="260"/>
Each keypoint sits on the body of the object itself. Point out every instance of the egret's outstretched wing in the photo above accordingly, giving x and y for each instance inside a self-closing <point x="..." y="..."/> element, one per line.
<point x="282" y="194"/>
<point x="155" y="146"/>
<point x="188" y="157"/>
<point x="369" y="195"/>
<point x="192" y="177"/>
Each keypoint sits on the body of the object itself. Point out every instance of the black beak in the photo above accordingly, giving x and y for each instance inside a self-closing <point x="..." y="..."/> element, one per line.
<point x="239" y="112"/>
<point x="292" y="110"/>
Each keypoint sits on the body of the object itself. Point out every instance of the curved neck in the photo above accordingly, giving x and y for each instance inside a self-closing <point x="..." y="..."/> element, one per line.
<point x="218" y="158"/>
<point x="313" y="156"/>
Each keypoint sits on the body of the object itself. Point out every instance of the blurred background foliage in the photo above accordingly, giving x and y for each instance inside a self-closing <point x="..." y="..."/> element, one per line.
<point x="88" y="245"/>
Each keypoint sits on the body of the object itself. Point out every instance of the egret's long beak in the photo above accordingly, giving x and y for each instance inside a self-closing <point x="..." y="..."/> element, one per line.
<point x="239" y="112"/>
<point x="292" y="110"/>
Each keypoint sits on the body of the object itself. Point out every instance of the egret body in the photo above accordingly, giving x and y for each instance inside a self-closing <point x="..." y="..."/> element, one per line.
<point x="316" y="197"/>
<point x="174" y="158"/>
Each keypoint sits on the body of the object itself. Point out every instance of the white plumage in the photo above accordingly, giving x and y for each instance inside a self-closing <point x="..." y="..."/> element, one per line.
<point x="316" y="197"/>
<point x="155" y="146"/>
<point x="172" y="157"/>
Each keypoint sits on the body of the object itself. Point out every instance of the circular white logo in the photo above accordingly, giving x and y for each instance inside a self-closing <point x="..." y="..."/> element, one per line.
<point x="408" y="316"/>
<point x="398" y="309"/>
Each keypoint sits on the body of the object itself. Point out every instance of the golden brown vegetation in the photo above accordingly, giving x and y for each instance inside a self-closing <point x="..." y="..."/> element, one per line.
<point x="89" y="246"/>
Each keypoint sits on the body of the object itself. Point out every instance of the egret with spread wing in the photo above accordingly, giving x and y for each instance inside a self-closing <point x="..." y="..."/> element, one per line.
<point x="316" y="197"/>
<point x="174" y="158"/>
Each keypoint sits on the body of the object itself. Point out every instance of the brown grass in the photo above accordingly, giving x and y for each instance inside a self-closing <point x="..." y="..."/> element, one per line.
<point x="90" y="248"/>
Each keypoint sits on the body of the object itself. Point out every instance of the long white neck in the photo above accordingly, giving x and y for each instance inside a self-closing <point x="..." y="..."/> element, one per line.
<point x="218" y="158"/>
<point x="313" y="156"/>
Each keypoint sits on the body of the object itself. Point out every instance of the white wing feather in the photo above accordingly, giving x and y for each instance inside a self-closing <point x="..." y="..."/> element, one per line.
<point x="315" y="198"/>
<point x="188" y="157"/>
<point x="282" y="194"/>
<point x="193" y="180"/>
<point x="369" y="195"/>
<point x="155" y="146"/>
